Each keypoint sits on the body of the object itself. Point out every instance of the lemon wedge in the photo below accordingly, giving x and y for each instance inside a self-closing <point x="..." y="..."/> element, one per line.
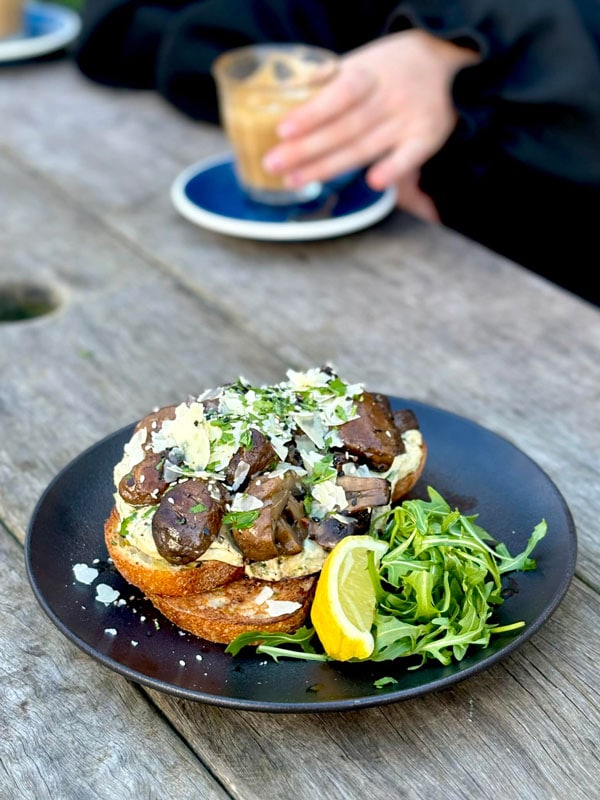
<point x="343" y="608"/>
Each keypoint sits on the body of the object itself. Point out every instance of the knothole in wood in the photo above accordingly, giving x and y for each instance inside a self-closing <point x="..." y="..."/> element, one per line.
<point x="23" y="301"/>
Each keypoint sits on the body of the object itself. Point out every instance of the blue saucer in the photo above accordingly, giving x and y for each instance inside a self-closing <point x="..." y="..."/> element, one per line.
<point x="208" y="194"/>
<point x="47" y="27"/>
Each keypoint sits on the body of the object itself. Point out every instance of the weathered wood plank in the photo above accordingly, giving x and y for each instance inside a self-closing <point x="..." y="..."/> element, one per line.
<point x="69" y="730"/>
<point x="94" y="151"/>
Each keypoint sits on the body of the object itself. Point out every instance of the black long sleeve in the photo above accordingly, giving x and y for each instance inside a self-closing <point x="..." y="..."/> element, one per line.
<point x="170" y="45"/>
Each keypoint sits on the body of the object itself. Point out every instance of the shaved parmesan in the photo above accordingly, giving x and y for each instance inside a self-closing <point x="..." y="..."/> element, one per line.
<point x="106" y="594"/>
<point x="85" y="574"/>
<point x="265" y="593"/>
<point x="277" y="608"/>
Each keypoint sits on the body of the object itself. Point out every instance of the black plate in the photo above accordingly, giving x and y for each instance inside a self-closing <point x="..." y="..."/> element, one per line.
<point x="474" y="469"/>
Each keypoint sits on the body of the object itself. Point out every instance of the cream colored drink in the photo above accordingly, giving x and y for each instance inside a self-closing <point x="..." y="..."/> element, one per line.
<point x="257" y="86"/>
<point x="11" y="18"/>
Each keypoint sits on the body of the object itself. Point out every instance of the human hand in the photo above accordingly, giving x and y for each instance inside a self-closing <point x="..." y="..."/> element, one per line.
<point x="390" y="106"/>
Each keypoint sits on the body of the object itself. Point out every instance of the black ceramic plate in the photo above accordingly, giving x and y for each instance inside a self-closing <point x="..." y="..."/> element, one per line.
<point x="474" y="469"/>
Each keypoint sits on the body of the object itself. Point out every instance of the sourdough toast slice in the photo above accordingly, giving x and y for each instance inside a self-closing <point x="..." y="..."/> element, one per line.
<point x="157" y="576"/>
<point x="406" y="481"/>
<point x="241" y="606"/>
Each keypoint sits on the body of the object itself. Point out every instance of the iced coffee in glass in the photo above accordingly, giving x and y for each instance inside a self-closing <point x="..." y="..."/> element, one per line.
<point x="257" y="85"/>
<point x="11" y="18"/>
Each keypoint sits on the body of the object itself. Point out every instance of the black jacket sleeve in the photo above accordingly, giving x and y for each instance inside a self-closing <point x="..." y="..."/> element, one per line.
<point x="170" y="45"/>
<point x="537" y="88"/>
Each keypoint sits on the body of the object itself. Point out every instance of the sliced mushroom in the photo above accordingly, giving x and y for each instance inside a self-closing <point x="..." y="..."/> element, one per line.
<point x="405" y="420"/>
<point x="333" y="528"/>
<point x="188" y="520"/>
<point x="259" y="457"/>
<point x="145" y="484"/>
<point x="154" y="421"/>
<point x="291" y="529"/>
<point x="289" y="538"/>
<point x="372" y="436"/>
<point x="266" y="538"/>
<point x="294" y="510"/>
<point x="293" y="454"/>
<point x="362" y="493"/>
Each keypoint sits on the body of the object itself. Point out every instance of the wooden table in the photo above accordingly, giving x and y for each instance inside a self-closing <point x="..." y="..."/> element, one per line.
<point x="152" y="308"/>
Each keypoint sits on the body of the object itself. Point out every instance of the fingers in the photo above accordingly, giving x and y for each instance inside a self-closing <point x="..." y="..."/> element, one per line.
<point x="329" y="153"/>
<point x="400" y="163"/>
<point x="347" y="90"/>
<point x="412" y="199"/>
<point x="321" y="134"/>
<point x="330" y="149"/>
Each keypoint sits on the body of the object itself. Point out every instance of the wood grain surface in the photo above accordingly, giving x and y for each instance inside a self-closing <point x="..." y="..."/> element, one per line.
<point x="151" y="309"/>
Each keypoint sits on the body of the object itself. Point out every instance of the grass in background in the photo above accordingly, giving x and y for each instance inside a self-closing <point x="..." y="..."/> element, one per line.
<point x="76" y="5"/>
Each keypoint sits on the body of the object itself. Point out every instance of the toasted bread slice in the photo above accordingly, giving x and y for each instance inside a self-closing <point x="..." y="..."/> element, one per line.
<point x="406" y="482"/>
<point x="157" y="576"/>
<point x="241" y="606"/>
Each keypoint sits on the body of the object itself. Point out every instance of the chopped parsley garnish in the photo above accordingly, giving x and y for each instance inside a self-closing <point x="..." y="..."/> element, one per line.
<point x="123" y="527"/>
<point x="337" y="386"/>
<point x="246" y="438"/>
<point x="322" y="470"/>
<point x="241" y="519"/>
